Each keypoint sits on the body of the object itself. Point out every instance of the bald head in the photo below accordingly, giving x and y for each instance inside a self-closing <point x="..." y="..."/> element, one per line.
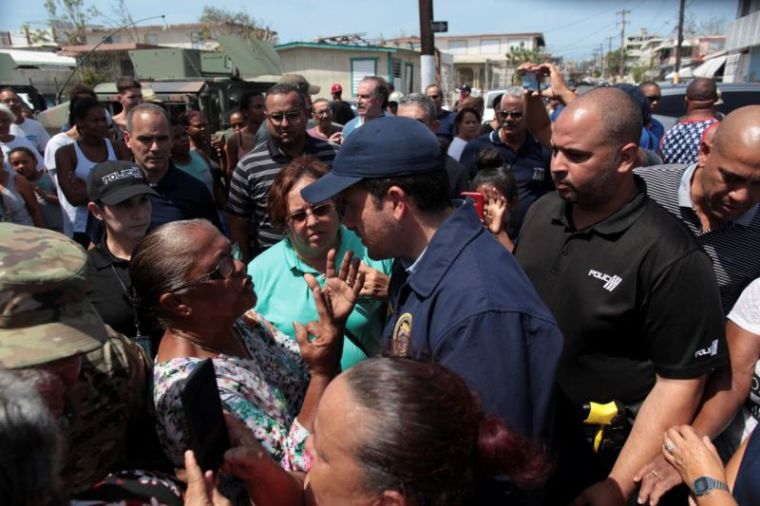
<point x="702" y="89"/>
<point x="619" y="115"/>
<point x="739" y="131"/>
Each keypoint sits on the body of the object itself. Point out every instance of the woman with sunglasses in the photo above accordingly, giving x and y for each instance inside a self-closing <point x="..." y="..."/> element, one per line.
<point x="186" y="273"/>
<point x="311" y="231"/>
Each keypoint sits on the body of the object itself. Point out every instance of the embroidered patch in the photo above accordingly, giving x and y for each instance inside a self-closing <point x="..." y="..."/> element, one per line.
<point x="402" y="335"/>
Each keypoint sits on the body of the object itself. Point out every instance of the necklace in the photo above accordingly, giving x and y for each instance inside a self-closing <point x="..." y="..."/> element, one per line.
<point x="211" y="349"/>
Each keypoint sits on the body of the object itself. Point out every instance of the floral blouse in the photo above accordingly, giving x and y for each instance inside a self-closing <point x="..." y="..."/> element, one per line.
<point x="265" y="392"/>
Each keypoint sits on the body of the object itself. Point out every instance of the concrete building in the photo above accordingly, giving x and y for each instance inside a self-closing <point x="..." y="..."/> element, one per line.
<point x="480" y="60"/>
<point x="323" y="64"/>
<point x="694" y="50"/>
<point x="743" y="44"/>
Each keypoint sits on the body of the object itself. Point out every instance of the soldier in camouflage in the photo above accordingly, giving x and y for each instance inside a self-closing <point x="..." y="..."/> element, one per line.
<point x="46" y="323"/>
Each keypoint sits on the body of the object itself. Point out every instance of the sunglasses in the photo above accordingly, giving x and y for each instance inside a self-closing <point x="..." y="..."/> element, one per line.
<point x="654" y="98"/>
<point x="291" y="116"/>
<point x="318" y="211"/>
<point x="514" y="114"/>
<point x="223" y="270"/>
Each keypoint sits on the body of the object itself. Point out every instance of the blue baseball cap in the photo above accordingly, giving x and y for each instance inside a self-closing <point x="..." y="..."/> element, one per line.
<point x="389" y="146"/>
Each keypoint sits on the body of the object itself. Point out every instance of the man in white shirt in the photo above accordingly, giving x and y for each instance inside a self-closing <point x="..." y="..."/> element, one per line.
<point x="30" y="129"/>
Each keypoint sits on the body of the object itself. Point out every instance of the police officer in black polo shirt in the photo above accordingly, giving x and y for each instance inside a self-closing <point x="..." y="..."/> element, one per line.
<point x="120" y="199"/>
<point x="634" y="295"/>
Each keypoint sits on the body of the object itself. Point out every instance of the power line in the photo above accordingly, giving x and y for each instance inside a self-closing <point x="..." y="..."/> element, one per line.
<point x="573" y="23"/>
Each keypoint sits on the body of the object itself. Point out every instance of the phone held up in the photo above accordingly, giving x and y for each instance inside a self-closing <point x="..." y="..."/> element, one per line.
<point x="531" y="81"/>
<point x="206" y="428"/>
<point x="478" y="200"/>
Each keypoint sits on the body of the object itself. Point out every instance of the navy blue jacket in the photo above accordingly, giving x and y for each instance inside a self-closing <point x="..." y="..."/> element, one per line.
<point x="469" y="306"/>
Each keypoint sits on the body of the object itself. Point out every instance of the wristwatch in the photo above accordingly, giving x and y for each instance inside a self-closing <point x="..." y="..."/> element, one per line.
<point x="704" y="485"/>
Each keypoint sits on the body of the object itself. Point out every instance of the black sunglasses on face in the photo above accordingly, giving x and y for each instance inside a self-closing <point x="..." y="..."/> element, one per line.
<point x="514" y="114"/>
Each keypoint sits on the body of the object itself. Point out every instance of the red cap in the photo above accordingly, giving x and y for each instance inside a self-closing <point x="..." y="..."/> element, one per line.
<point x="336" y="88"/>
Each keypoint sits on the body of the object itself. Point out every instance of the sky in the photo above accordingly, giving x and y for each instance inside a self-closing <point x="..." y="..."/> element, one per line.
<point x="571" y="28"/>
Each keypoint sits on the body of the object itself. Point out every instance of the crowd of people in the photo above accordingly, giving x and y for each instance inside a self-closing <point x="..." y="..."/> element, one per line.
<point x="402" y="305"/>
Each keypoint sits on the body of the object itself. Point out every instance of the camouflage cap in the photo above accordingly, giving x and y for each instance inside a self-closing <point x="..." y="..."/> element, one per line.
<point x="43" y="312"/>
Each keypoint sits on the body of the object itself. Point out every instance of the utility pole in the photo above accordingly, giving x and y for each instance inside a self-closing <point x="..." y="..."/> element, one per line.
<point x="681" y="9"/>
<point x="622" y="13"/>
<point x="427" y="44"/>
<point x="609" y="50"/>
<point x="601" y="56"/>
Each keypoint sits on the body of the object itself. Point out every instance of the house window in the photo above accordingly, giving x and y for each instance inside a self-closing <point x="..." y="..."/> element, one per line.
<point x="458" y="47"/>
<point x="151" y="38"/>
<point x="396" y="68"/>
<point x="489" y="46"/>
<point x="361" y="68"/>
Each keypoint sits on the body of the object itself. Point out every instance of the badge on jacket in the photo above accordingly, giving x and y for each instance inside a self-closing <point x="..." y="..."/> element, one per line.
<point x="402" y="335"/>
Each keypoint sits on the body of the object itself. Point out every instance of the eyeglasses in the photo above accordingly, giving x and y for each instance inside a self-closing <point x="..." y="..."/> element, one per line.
<point x="291" y="116"/>
<point x="223" y="270"/>
<point x="654" y="98"/>
<point x="514" y="114"/>
<point x="434" y="96"/>
<point x="318" y="211"/>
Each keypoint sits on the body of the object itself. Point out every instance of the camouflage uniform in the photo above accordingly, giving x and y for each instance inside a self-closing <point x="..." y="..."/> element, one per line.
<point x="44" y="317"/>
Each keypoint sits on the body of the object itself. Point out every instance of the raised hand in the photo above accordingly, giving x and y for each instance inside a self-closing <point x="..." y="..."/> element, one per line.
<point x="494" y="209"/>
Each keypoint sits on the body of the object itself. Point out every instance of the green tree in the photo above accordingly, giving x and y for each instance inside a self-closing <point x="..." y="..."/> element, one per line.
<point x="225" y="21"/>
<point x="35" y="35"/>
<point x="69" y="19"/>
<point x="612" y="63"/>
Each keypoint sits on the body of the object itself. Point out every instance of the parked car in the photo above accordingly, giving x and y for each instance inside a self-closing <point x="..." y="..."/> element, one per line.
<point x="733" y="95"/>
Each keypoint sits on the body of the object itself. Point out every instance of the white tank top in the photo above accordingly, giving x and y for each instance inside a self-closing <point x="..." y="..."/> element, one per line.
<point x="75" y="217"/>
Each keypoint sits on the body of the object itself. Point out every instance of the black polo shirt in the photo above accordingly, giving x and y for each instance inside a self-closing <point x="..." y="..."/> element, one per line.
<point x="530" y="166"/>
<point x="633" y="294"/>
<point x="109" y="284"/>
<point x="182" y="197"/>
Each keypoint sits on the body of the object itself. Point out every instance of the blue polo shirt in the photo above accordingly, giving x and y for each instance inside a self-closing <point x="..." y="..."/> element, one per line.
<point x="181" y="197"/>
<point x="530" y="166"/>
<point x="467" y="305"/>
<point x="446" y="124"/>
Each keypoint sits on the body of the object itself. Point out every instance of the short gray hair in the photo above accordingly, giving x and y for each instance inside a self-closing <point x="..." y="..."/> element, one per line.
<point x="423" y="101"/>
<point x="29" y="438"/>
<point x="146" y="107"/>
<point x="514" y="91"/>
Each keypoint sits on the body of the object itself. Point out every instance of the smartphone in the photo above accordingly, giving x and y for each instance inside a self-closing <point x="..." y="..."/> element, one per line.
<point x="531" y="81"/>
<point x="206" y="428"/>
<point x="478" y="200"/>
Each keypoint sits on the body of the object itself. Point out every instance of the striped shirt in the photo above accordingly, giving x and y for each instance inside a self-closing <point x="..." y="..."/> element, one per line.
<point x="733" y="246"/>
<point x="252" y="178"/>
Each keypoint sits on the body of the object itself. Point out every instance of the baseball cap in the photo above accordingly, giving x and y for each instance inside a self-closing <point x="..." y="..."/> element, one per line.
<point x="396" y="96"/>
<point x="336" y="88"/>
<point x="114" y="181"/>
<point x="45" y="316"/>
<point x="299" y="82"/>
<point x="389" y="146"/>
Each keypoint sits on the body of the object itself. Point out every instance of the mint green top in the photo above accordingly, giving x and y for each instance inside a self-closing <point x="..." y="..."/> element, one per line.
<point x="284" y="297"/>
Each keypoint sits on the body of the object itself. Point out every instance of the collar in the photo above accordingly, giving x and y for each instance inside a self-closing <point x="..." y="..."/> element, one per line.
<point x="685" y="200"/>
<point x="298" y="267"/>
<point x="275" y="152"/>
<point x="495" y="139"/>
<point x="453" y="236"/>
<point x="412" y="267"/>
<point x="102" y="256"/>
<point x="617" y="222"/>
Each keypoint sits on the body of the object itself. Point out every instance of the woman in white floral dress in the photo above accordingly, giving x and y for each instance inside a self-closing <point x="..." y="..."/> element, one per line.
<point x="186" y="273"/>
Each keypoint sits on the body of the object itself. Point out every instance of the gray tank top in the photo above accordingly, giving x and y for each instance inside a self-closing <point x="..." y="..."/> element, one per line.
<point x="15" y="207"/>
